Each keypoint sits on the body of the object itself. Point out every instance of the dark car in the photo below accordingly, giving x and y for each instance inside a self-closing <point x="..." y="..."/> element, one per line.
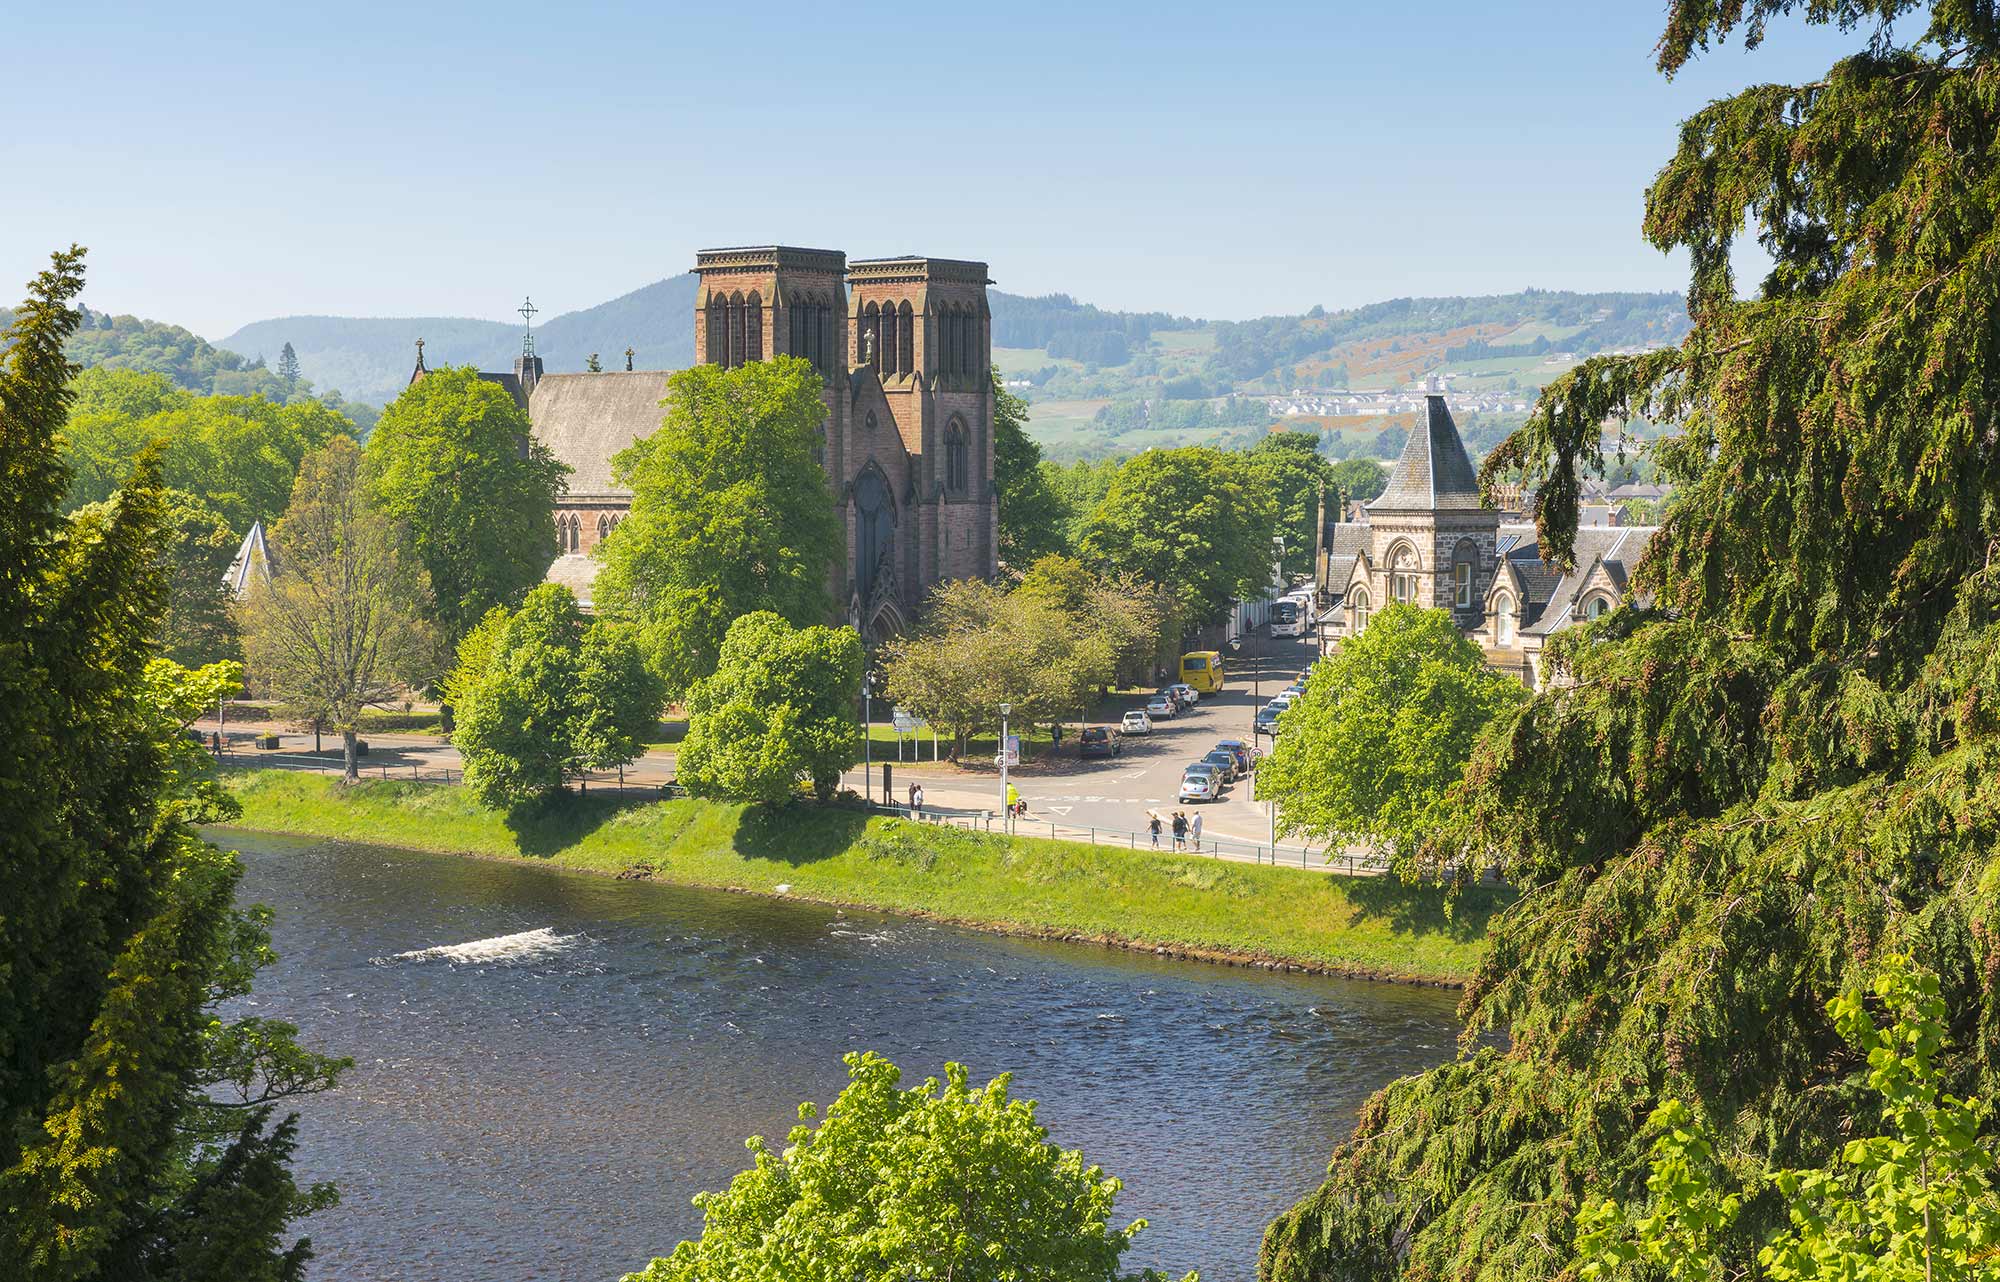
<point x="1267" y="720"/>
<point x="1225" y="761"/>
<point x="1240" y="750"/>
<point x="1096" y="741"/>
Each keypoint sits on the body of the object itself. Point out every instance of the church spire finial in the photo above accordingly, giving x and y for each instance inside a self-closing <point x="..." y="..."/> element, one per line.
<point x="420" y="354"/>
<point x="628" y="360"/>
<point x="528" y="310"/>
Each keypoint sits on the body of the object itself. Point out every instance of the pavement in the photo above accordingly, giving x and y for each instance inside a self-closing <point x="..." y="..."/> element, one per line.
<point x="1100" y="800"/>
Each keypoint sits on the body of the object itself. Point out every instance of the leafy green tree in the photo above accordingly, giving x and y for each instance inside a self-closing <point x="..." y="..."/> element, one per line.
<point x="1123" y="614"/>
<point x="343" y="623"/>
<point x="541" y="697"/>
<point x="472" y="658"/>
<point x="1195" y="521"/>
<point x="1290" y="467"/>
<point x="1080" y="487"/>
<point x="197" y="626"/>
<point x="777" y="712"/>
<point x="731" y="514"/>
<point x="135" y="1121"/>
<point x="1031" y="513"/>
<point x="453" y="462"/>
<point x="1386" y="725"/>
<point x="1358" y="479"/>
<point x="1728" y="803"/>
<point x="1919" y="1202"/>
<point x="288" y="367"/>
<point x="944" y="1180"/>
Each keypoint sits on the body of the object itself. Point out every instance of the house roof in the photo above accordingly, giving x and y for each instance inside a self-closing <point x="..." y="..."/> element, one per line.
<point x="576" y="571"/>
<point x="1434" y="471"/>
<point x="1615" y="548"/>
<point x="584" y="419"/>
<point x="1349" y="542"/>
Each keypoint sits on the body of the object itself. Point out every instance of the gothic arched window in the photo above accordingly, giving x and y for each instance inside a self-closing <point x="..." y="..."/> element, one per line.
<point x="753" y="328"/>
<point x="718" y="330"/>
<point x="1357" y="610"/>
<point x="957" y="458"/>
<point x="735" y="330"/>
<point x="874" y="526"/>
<point x="1597" y="607"/>
<point x="575" y="533"/>
<point x="889" y="344"/>
<point x="906" y="340"/>
<point x="1503" y="619"/>
<point x="1403" y="574"/>
<point x="603" y="527"/>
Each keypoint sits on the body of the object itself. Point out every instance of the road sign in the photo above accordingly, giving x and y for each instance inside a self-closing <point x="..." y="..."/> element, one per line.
<point x="905" y="722"/>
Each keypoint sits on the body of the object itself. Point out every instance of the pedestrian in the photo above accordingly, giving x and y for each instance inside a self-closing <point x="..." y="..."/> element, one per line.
<point x="1153" y="826"/>
<point x="1194" y="830"/>
<point x="1014" y="806"/>
<point x="1180" y="830"/>
<point x="916" y="801"/>
<point x="913" y="801"/>
<point x="1055" y="734"/>
<point x="215" y="743"/>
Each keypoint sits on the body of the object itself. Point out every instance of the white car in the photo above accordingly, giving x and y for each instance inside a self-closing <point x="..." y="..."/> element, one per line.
<point x="1136" y="722"/>
<point x="1189" y="695"/>
<point x="1201" y="785"/>
<point x="1161" y="708"/>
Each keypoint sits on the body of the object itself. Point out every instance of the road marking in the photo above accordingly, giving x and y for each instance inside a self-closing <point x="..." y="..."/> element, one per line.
<point x="1058" y="810"/>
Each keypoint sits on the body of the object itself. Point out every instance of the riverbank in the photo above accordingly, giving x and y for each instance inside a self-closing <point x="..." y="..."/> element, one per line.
<point x="1372" y="927"/>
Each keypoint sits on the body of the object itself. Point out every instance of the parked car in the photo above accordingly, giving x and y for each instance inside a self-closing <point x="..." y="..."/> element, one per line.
<point x="1096" y="741"/>
<point x="1282" y="700"/>
<point x="1162" y="708"/>
<point x="1136" y="722"/>
<point x="1224" y="760"/>
<point x="1296" y="689"/>
<point x="1200" y="785"/>
<point x="1240" y="750"/>
<point x="1188" y="694"/>
<point x="1267" y="720"/>
<point x="1172" y="696"/>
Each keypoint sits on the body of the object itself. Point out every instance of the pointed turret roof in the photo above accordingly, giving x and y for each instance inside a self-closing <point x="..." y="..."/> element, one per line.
<point x="252" y="563"/>
<point x="1434" y="472"/>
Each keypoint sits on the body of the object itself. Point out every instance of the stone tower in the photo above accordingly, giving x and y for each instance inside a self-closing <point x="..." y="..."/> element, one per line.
<point x="1431" y="541"/>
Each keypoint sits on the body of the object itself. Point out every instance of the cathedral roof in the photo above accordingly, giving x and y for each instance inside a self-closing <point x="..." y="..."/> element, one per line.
<point x="584" y="419"/>
<point x="1434" y="472"/>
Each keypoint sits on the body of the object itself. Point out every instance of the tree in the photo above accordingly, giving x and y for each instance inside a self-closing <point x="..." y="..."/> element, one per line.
<point x="944" y="1180"/>
<point x="1194" y="521"/>
<point x="541" y="697"/>
<point x="1384" y="729"/>
<point x="288" y="367"/>
<point x="1123" y="615"/>
<point x="342" y="623"/>
<point x="1728" y="803"/>
<point x="731" y="514"/>
<point x="1080" y="487"/>
<point x="195" y="626"/>
<point x="1031" y="513"/>
<point x="1359" y="479"/>
<point x="1291" y="469"/>
<point x="778" y="712"/>
<point x="135" y="1119"/>
<point x="453" y="462"/>
<point x="1918" y="1202"/>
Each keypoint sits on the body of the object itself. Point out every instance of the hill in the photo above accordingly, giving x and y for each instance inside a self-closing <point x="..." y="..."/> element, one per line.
<point x="372" y="357"/>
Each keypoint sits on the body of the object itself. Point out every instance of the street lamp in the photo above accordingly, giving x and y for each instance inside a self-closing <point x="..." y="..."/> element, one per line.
<point x="1005" y="809"/>
<point x="1278" y="578"/>
<point x="867" y="742"/>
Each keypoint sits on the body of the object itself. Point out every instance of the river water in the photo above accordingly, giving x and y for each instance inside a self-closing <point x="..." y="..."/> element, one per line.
<point x="548" y="1067"/>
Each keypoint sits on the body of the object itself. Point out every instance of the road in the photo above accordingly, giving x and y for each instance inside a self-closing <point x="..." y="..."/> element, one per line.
<point x="1077" y="796"/>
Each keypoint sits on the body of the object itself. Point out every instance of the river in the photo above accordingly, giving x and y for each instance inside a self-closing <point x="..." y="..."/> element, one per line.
<point x="539" y="1094"/>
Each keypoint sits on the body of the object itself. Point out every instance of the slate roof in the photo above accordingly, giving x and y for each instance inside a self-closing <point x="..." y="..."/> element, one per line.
<point x="584" y="419"/>
<point x="1617" y="548"/>
<point x="253" y="563"/>
<point x="576" y="571"/>
<point x="510" y="384"/>
<point x="1349" y="541"/>
<point x="1433" y="472"/>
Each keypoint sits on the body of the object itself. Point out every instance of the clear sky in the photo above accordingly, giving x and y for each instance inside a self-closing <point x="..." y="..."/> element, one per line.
<point x="228" y="163"/>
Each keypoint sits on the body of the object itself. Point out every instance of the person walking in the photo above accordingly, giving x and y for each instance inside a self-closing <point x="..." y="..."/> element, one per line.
<point x="215" y="744"/>
<point x="1014" y="806"/>
<point x="913" y="801"/>
<point x="1153" y="826"/>
<point x="1194" y="831"/>
<point x="1180" y="830"/>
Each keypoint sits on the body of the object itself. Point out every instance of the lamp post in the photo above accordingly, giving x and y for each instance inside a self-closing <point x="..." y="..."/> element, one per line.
<point x="1005" y="809"/>
<point x="867" y="742"/>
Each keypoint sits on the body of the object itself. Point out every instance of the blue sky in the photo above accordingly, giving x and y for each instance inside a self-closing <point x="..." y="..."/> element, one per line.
<point x="229" y="163"/>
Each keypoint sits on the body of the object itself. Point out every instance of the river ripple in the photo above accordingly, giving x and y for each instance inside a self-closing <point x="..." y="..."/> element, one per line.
<point x="543" y="1107"/>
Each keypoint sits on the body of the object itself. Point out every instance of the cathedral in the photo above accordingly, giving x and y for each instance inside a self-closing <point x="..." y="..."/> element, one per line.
<point x="1429" y="540"/>
<point x="903" y="347"/>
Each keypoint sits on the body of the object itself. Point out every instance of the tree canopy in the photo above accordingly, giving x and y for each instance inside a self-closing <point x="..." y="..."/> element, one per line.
<point x="777" y="712"/>
<point x="1291" y="469"/>
<point x="135" y="1121"/>
<point x="1729" y="803"/>
<point x="1032" y="514"/>
<point x="941" y="1180"/>
<point x="1383" y="730"/>
<point x="731" y="514"/>
<point x="454" y="463"/>
<point x="1195" y="521"/>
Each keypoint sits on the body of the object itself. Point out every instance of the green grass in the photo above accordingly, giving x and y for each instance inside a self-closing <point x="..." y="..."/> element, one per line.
<point x="1364" y="926"/>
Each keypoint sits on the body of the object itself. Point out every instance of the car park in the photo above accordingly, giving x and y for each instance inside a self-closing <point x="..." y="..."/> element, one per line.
<point x="1096" y="741"/>
<point x="1161" y="708"/>
<point x="1200" y="785"/>
<point x="1136" y="722"/>
<point x="1242" y="752"/>
<point x="1225" y="761"/>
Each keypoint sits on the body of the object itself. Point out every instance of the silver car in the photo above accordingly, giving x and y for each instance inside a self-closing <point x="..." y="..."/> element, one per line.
<point x="1136" y="722"/>
<point x="1201" y="785"/>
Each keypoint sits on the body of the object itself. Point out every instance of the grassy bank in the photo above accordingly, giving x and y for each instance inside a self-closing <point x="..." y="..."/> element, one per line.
<point x="1364" y="926"/>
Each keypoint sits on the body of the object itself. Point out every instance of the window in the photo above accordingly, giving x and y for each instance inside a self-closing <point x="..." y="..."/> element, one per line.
<point x="718" y="331"/>
<point x="890" y="343"/>
<point x="753" y="329"/>
<point x="603" y="527"/>
<point x="956" y="457"/>
<point x="1463" y="558"/>
<point x="1503" y="620"/>
<point x="735" y="330"/>
<point x="1403" y="574"/>
<point x="1596" y="607"/>
<point x="906" y="340"/>
<point x="1357" y="610"/>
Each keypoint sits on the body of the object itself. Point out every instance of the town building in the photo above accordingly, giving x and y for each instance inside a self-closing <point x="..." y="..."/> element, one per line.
<point x="903" y="347"/>
<point x="1429" y="540"/>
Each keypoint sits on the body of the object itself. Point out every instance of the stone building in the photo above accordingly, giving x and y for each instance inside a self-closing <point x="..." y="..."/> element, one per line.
<point x="1428" y="540"/>
<point x="903" y="347"/>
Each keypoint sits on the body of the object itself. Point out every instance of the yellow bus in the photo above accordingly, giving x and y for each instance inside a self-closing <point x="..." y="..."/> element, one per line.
<point x="1202" y="669"/>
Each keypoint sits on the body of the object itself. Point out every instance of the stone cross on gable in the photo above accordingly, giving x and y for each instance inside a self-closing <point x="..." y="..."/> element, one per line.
<point x="628" y="360"/>
<point x="867" y="346"/>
